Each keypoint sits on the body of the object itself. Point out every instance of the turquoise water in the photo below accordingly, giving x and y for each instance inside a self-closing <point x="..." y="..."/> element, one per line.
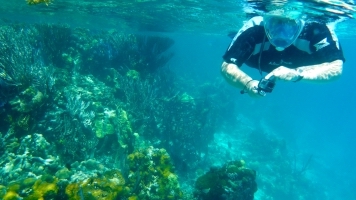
<point x="208" y="17"/>
<point x="124" y="100"/>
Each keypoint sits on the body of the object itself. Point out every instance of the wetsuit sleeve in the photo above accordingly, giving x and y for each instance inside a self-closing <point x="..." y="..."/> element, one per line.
<point x="325" y="45"/>
<point x="243" y="44"/>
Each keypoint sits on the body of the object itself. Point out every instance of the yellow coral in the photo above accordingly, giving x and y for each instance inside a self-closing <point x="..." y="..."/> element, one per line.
<point x="108" y="187"/>
<point x="11" y="195"/>
<point x="13" y="187"/>
<point x="72" y="191"/>
<point x="42" y="188"/>
<point x="154" y="168"/>
<point x="28" y="182"/>
<point x="133" y="198"/>
<point x="102" y="128"/>
<point x="34" y="2"/>
<point x="166" y="172"/>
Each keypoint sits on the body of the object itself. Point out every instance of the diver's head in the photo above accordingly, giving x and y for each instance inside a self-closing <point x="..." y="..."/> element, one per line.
<point x="282" y="31"/>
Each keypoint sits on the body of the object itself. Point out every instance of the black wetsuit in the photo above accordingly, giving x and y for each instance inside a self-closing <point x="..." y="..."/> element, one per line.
<point x="316" y="44"/>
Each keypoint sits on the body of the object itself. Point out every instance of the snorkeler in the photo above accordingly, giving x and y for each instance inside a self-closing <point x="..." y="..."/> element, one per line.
<point x="286" y="48"/>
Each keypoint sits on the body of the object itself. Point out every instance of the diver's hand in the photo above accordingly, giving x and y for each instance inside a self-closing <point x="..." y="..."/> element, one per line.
<point x="285" y="73"/>
<point x="252" y="89"/>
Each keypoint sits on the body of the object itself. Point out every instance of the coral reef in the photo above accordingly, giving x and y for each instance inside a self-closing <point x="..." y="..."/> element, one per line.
<point x="34" y="2"/>
<point x="108" y="186"/>
<point x="94" y="114"/>
<point x="28" y="100"/>
<point x="282" y="174"/>
<point x="83" y="120"/>
<point x="44" y="187"/>
<point x="80" y="112"/>
<point x="231" y="181"/>
<point x="30" y="156"/>
<point x="21" y="64"/>
<point x="87" y="107"/>
<point x="152" y="175"/>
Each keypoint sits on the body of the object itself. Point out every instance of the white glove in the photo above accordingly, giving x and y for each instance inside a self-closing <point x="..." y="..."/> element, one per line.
<point x="286" y="74"/>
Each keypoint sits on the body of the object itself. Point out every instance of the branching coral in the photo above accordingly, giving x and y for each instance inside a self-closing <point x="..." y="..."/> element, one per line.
<point x="87" y="115"/>
<point x="26" y="158"/>
<point x="21" y="64"/>
<point x="78" y="109"/>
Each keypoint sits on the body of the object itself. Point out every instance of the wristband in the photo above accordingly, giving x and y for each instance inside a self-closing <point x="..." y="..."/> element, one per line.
<point x="243" y="91"/>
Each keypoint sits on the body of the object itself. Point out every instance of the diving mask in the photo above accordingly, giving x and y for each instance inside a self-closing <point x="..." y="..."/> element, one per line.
<point x="282" y="31"/>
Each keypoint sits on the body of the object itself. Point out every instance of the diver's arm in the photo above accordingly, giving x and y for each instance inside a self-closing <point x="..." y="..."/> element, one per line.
<point x="237" y="78"/>
<point x="234" y="75"/>
<point x="321" y="72"/>
<point x="312" y="73"/>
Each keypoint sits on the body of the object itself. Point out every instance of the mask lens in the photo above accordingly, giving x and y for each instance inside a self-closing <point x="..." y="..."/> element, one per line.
<point x="282" y="32"/>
